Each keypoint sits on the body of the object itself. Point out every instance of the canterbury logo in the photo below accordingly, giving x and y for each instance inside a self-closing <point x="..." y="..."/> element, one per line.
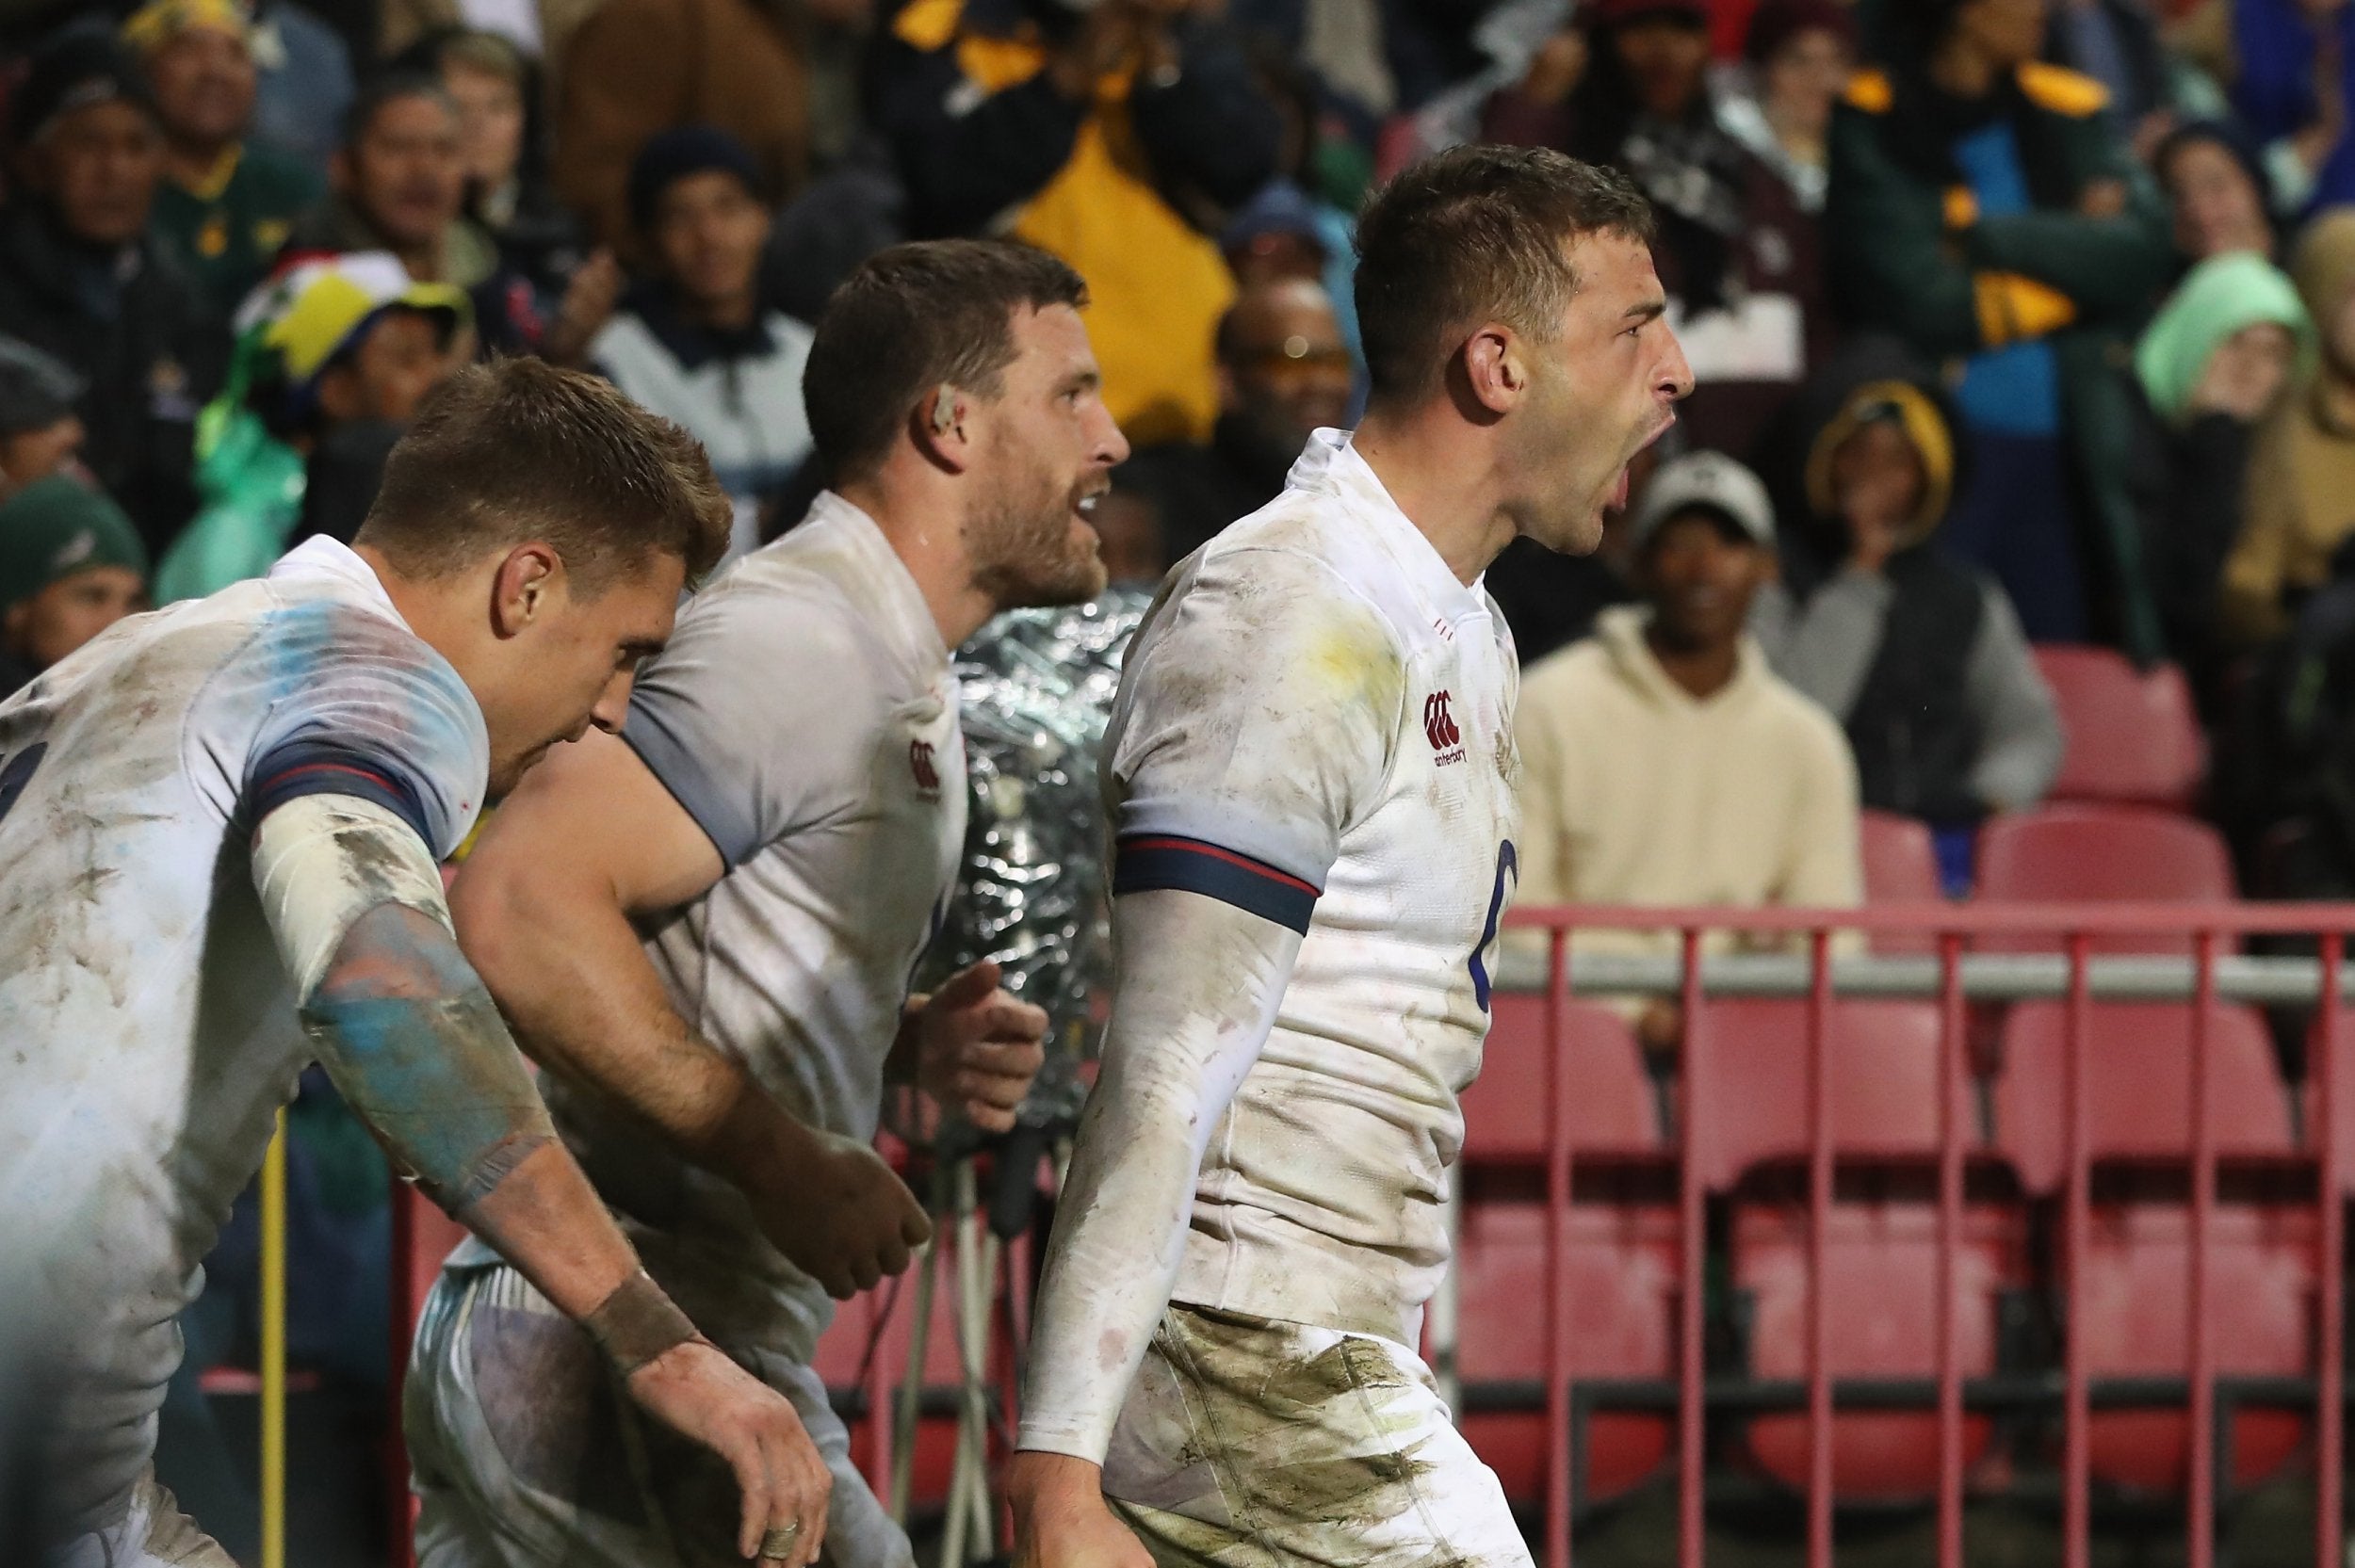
<point x="921" y="764"/>
<point x="1438" y="723"/>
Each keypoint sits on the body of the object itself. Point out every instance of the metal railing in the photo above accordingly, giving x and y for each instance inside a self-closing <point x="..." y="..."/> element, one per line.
<point x="1955" y="976"/>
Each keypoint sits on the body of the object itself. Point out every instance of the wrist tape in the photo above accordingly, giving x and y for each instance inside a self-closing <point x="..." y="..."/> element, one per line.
<point x="637" y="1323"/>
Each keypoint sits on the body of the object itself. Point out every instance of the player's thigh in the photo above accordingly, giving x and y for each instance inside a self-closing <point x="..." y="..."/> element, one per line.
<point x="153" y="1534"/>
<point x="1335" y="1447"/>
<point x="515" y="1436"/>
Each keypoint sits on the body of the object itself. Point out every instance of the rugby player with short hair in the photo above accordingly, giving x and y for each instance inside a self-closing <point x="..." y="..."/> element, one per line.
<point x="1309" y="774"/>
<point x="704" y="928"/>
<point x="222" y="824"/>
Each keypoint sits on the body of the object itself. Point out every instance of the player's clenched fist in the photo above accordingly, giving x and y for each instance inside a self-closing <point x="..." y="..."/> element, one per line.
<point x="700" y="1393"/>
<point x="836" y="1209"/>
<point x="978" y="1047"/>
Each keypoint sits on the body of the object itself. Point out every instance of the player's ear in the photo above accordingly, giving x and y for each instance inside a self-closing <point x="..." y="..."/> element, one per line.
<point x="1496" y="371"/>
<point x="943" y="429"/>
<point x="524" y="588"/>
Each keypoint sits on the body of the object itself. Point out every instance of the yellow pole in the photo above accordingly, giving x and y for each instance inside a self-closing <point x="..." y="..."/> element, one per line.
<point x="274" y="1349"/>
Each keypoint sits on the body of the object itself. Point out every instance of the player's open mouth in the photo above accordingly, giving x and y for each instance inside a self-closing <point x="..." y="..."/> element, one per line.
<point x="1627" y="470"/>
<point x="1085" y="506"/>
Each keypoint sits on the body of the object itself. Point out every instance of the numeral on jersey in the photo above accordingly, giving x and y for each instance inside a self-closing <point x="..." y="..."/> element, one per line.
<point x="1508" y="873"/>
<point x="17" y="772"/>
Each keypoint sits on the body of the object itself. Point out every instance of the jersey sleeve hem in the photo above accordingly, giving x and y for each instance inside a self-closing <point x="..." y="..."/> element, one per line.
<point x="722" y="818"/>
<point x="1149" y="863"/>
<point x="301" y="769"/>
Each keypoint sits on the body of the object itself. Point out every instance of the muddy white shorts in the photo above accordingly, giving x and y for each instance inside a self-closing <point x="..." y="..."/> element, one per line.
<point x="153" y="1534"/>
<point x="1251" y="1444"/>
<point x="523" y="1451"/>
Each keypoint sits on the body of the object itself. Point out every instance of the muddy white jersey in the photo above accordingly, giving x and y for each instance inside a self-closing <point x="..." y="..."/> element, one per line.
<point x="805" y="716"/>
<point x="1316" y="724"/>
<point x="148" y="1022"/>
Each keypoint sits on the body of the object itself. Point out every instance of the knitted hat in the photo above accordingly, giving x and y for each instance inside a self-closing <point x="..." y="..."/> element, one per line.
<point x="159" y="21"/>
<point x="670" y="156"/>
<point x="1281" y="207"/>
<point x="2232" y="139"/>
<point x="315" y="310"/>
<point x="35" y="389"/>
<point x="2216" y="299"/>
<point x="1916" y="411"/>
<point x="74" y="70"/>
<point x="1776" y="23"/>
<point x="55" y="527"/>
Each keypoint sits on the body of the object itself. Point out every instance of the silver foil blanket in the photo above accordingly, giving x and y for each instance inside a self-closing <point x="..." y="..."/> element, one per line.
<point x="1037" y="688"/>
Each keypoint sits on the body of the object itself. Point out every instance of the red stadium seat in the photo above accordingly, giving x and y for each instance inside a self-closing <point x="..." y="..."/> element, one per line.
<point x="2101" y="854"/>
<point x="2135" y="1313"/>
<point x="2133" y="736"/>
<point x="1611" y="1104"/>
<point x="1880" y="1266"/>
<point x="1753" y="1102"/>
<point x="1881" y="1278"/>
<point x="2137" y="1086"/>
<point x="2136" y="1320"/>
<point x="1621" y="1267"/>
<point x="1900" y="867"/>
<point x="1900" y="860"/>
<point x="1621" y="1257"/>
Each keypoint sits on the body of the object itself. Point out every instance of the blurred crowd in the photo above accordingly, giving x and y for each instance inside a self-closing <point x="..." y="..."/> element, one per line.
<point x="2014" y="322"/>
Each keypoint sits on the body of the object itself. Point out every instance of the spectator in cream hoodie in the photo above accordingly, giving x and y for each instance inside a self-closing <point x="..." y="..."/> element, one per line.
<point x="1661" y="761"/>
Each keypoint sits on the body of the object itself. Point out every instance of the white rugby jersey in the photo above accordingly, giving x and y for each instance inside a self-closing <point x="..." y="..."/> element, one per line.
<point x="1316" y="724"/>
<point x="149" y="1024"/>
<point x="805" y="716"/>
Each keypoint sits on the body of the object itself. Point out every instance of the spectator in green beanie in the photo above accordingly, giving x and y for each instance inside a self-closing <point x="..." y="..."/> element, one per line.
<point x="71" y="566"/>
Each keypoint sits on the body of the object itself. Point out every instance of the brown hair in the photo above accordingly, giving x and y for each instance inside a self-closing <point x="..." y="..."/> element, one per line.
<point x="1474" y="235"/>
<point x="518" y="449"/>
<point x="910" y="318"/>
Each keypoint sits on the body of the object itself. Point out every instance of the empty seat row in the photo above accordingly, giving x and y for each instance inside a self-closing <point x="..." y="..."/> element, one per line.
<point x="1884" y="1090"/>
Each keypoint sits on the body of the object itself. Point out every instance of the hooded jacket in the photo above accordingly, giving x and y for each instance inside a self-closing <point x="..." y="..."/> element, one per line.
<point x="1632" y="791"/>
<point x="2191" y="466"/>
<point x="1922" y="662"/>
<point x="2300" y="502"/>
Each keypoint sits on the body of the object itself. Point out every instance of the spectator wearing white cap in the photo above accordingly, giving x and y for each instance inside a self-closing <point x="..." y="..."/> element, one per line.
<point x="1663" y="762"/>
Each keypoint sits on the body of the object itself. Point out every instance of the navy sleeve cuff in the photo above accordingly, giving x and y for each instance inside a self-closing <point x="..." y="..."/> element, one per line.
<point x="324" y="767"/>
<point x="725" y="818"/>
<point x="1149" y="863"/>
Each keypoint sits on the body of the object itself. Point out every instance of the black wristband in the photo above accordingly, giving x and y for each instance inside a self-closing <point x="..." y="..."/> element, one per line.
<point x="637" y="1323"/>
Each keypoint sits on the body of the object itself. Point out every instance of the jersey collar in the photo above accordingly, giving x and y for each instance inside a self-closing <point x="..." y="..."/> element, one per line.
<point x="1330" y="466"/>
<point x="890" y="572"/>
<point x="319" y="559"/>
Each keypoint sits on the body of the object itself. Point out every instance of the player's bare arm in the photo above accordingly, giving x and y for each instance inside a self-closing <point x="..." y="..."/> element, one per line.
<point x="543" y="909"/>
<point x="1199" y="981"/>
<point x="415" y="1045"/>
